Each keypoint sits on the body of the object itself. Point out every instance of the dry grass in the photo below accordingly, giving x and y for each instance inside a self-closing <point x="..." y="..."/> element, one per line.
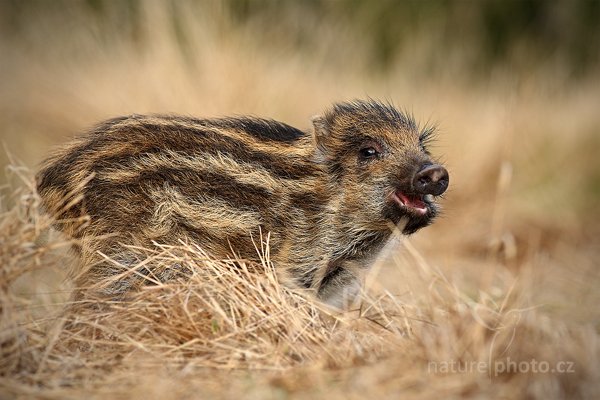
<point x="221" y="314"/>
<point x="508" y="273"/>
<point x="227" y="318"/>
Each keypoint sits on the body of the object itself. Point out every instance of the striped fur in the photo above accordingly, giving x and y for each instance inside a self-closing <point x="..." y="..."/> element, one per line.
<point x="221" y="183"/>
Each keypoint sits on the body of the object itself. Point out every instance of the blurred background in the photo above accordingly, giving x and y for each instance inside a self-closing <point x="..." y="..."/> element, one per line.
<point x="512" y="85"/>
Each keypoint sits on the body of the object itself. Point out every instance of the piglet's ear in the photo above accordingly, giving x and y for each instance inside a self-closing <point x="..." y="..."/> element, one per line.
<point x="319" y="127"/>
<point x="320" y="133"/>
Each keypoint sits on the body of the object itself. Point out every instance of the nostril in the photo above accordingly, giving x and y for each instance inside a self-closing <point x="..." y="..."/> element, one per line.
<point x="437" y="174"/>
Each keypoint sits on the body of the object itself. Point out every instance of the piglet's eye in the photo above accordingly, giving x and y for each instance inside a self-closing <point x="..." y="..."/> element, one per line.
<point x="368" y="152"/>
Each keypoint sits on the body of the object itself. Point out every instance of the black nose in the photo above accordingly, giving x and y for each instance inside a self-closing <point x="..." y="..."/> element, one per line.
<point x="433" y="179"/>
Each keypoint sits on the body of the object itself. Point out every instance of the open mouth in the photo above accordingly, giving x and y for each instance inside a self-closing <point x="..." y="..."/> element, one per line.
<point x="415" y="203"/>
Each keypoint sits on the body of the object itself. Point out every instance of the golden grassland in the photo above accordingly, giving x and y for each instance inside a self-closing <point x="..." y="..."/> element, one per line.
<point x="508" y="273"/>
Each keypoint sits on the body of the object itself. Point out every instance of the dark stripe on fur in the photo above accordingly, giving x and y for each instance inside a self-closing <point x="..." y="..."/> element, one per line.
<point x="261" y="128"/>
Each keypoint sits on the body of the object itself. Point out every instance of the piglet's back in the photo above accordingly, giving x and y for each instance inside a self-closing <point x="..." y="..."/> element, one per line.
<point x="162" y="178"/>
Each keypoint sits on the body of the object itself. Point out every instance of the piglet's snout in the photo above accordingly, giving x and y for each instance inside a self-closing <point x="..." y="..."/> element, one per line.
<point x="431" y="179"/>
